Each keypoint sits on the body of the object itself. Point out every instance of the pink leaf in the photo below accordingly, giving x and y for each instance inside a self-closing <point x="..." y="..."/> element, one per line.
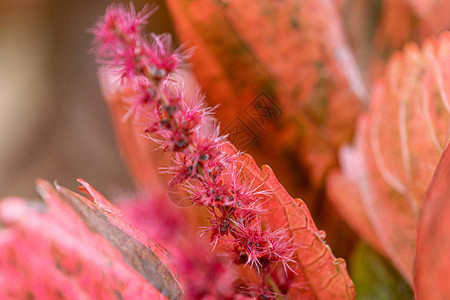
<point x="398" y="145"/>
<point x="47" y="252"/>
<point x="146" y="257"/>
<point x="432" y="264"/>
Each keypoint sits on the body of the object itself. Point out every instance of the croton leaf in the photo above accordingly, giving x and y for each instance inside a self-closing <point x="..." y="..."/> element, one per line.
<point x="432" y="265"/>
<point x="398" y="146"/>
<point x="49" y="252"/>
<point x="280" y="71"/>
<point x="321" y="275"/>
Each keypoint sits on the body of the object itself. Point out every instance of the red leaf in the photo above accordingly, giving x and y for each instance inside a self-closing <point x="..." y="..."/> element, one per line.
<point x="399" y="143"/>
<point x="47" y="252"/>
<point x="432" y="264"/>
<point x="322" y="276"/>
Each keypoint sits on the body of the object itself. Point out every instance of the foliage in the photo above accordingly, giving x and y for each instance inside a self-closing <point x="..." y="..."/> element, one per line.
<point x="321" y="94"/>
<point x="213" y="174"/>
<point x="409" y="112"/>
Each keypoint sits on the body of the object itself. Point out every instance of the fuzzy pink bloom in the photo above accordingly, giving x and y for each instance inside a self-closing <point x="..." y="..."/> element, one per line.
<point x="162" y="57"/>
<point x="187" y="130"/>
<point x="261" y="247"/>
<point x="119" y="40"/>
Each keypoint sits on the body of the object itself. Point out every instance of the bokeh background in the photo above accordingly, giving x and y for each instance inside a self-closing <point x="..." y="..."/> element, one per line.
<point x="53" y="122"/>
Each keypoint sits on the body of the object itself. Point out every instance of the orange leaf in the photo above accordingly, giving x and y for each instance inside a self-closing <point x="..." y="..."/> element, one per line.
<point x="279" y="72"/>
<point x="432" y="264"/>
<point x="399" y="143"/>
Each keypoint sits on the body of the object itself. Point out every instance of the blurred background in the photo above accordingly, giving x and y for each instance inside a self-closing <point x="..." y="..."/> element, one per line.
<point x="53" y="122"/>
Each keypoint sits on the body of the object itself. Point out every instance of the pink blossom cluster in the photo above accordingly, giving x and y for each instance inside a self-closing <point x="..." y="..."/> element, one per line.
<point x="185" y="128"/>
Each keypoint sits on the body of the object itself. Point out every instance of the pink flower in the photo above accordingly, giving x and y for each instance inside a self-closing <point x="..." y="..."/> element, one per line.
<point x="184" y="128"/>
<point x="260" y="248"/>
<point x="119" y="40"/>
<point x="163" y="57"/>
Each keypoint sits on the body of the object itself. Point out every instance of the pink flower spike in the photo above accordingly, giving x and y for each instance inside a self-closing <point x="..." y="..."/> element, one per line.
<point x="143" y="95"/>
<point x="210" y="192"/>
<point x="246" y="195"/>
<point x="122" y="46"/>
<point x="181" y="171"/>
<point x="162" y="55"/>
<point x="221" y="224"/>
<point x="264" y="247"/>
<point x="177" y="120"/>
<point x="119" y="26"/>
